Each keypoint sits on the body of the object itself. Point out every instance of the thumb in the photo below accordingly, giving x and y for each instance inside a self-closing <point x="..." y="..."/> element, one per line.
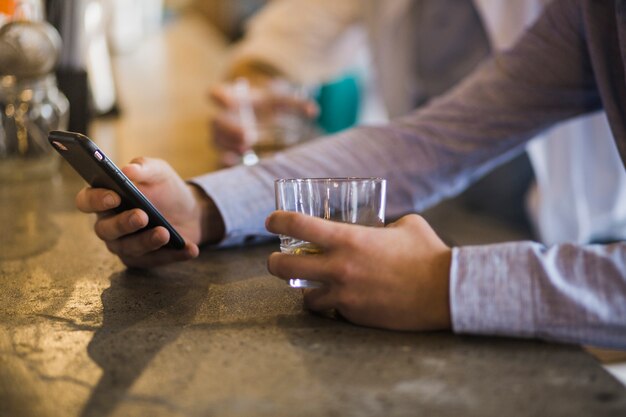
<point x="147" y="170"/>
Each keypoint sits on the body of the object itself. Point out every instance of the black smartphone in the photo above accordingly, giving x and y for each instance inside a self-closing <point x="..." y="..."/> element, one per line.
<point x="100" y="172"/>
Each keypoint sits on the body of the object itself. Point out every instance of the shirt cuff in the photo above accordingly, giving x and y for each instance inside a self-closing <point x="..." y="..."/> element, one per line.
<point x="488" y="294"/>
<point x="244" y="198"/>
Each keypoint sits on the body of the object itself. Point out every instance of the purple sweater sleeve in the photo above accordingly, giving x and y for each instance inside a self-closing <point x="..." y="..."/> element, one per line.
<point x="567" y="293"/>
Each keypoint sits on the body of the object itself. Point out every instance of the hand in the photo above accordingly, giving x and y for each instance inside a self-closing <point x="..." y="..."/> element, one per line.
<point x="266" y="97"/>
<point x="395" y="277"/>
<point x="187" y="208"/>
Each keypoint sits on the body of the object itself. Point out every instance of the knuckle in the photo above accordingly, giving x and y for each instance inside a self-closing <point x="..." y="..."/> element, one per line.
<point x="100" y="229"/>
<point x="147" y="243"/>
<point x="349" y="238"/>
<point x="415" y="220"/>
<point x="122" y="224"/>
<point x="125" y="248"/>
<point x="345" y="302"/>
<point x="342" y="272"/>
<point x="94" y="200"/>
<point x="112" y="247"/>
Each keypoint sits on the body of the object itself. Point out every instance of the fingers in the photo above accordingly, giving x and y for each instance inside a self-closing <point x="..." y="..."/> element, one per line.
<point x="114" y="227"/>
<point x="95" y="200"/>
<point x="139" y="244"/>
<point x="305" y="107"/>
<point x="312" y="229"/>
<point x="309" y="267"/>
<point x="319" y="299"/>
<point x="147" y="170"/>
<point x="162" y="257"/>
<point x="146" y="249"/>
<point x="228" y="134"/>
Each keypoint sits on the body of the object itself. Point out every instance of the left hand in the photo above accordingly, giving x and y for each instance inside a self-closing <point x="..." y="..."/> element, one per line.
<point x="395" y="277"/>
<point x="186" y="207"/>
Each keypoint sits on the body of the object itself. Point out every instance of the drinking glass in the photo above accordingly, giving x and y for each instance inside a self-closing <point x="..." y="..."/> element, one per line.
<point x="346" y="200"/>
<point x="269" y="121"/>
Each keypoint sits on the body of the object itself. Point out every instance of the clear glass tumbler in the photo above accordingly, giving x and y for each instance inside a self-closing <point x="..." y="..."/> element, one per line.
<point x="347" y="200"/>
<point x="269" y="117"/>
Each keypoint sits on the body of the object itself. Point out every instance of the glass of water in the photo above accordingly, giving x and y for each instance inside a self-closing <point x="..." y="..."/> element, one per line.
<point x="347" y="200"/>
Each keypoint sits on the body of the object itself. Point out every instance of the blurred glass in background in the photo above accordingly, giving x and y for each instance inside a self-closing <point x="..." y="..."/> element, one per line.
<point x="338" y="99"/>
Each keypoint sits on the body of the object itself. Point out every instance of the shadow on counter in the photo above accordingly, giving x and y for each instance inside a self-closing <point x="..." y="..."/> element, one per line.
<point x="143" y="312"/>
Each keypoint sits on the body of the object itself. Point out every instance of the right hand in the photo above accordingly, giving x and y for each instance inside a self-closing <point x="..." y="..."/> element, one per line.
<point x="396" y="277"/>
<point x="227" y="131"/>
<point x="184" y="205"/>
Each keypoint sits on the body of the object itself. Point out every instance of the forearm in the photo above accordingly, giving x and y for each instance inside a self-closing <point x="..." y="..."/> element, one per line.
<point x="565" y="293"/>
<point x="438" y="150"/>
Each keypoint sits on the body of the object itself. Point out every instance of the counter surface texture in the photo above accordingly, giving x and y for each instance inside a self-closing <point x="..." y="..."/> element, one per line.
<point x="80" y="335"/>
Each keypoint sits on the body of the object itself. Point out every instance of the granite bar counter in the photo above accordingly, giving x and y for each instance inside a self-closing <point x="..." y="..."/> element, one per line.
<point x="81" y="335"/>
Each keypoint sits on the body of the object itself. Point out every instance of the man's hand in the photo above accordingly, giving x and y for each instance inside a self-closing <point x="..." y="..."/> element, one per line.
<point x="265" y="97"/>
<point x="395" y="277"/>
<point x="187" y="208"/>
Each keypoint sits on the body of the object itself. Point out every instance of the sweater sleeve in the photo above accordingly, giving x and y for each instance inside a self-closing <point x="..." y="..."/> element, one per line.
<point x="440" y="149"/>
<point x="566" y="292"/>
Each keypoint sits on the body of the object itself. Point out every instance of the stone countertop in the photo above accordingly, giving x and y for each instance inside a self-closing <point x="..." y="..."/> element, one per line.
<point x="80" y="335"/>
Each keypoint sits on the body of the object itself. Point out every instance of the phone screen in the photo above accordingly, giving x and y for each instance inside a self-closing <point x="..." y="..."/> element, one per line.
<point x="100" y="172"/>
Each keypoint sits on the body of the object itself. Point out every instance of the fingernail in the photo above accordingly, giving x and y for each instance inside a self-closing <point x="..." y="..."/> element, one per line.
<point x="109" y="200"/>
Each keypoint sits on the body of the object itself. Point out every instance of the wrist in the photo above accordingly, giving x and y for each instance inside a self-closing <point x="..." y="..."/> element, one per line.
<point x="443" y="314"/>
<point x="209" y="220"/>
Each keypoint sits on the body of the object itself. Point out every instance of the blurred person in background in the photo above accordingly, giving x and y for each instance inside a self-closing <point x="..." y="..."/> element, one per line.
<point x="419" y="49"/>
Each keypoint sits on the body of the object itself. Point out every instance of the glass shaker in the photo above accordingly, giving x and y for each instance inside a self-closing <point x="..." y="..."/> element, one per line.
<point x="30" y="103"/>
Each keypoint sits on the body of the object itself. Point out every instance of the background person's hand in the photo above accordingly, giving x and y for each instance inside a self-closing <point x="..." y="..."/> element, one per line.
<point x="187" y="208"/>
<point x="228" y="132"/>
<point x="395" y="277"/>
